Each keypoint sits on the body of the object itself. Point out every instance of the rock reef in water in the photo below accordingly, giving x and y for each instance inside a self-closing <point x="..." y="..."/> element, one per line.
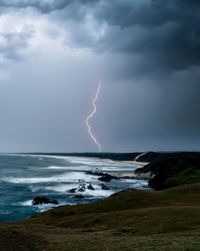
<point x="90" y="187"/>
<point x="107" y="177"/>
<point x="39" y="200"/>
<point x="104" y="187"/>
<point x="79" y="196"/>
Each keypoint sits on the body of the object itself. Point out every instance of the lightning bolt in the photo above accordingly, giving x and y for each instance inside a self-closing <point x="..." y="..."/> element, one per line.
<point x="90" y="117"/>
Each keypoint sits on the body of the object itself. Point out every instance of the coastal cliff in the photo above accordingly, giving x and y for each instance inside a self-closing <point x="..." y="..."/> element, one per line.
<point x="172" y="169"/>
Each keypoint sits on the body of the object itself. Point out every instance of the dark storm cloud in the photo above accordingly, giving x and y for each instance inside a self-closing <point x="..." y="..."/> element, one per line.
<point x="150" y="53"/>
<point x="42" y="5"/>
<point x="14" y="43"/>
<point x="164" y="34"/>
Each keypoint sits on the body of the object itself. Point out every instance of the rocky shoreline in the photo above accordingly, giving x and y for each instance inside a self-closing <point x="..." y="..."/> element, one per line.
<point x="128" y="220"/>
<point x="104" y="179"/>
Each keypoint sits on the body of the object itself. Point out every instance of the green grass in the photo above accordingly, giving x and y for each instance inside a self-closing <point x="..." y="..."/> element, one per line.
<point x="162" y="220"/>
<point x="130" y="220"/>
<point x="185" y="177"/>
<point x="173" y="170"/>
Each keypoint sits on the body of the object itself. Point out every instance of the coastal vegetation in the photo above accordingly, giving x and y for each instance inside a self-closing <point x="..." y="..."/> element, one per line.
<point x="169" y="170"/>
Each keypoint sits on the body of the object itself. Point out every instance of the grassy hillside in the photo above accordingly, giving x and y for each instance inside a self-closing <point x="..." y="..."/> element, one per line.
<point x="129" y="220"/>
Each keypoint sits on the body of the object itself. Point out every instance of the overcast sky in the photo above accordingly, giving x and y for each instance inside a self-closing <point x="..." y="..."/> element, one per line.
<point x="53" y="53"/>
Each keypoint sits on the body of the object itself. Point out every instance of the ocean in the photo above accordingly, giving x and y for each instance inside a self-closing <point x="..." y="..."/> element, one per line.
<point x="22" y="177"/>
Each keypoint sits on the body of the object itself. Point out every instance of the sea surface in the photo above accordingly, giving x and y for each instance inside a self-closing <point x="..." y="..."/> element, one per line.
<point x="22" y="177"/>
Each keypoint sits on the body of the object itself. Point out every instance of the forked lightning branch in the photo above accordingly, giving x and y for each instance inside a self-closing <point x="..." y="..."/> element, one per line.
<point x="90" y="117"/>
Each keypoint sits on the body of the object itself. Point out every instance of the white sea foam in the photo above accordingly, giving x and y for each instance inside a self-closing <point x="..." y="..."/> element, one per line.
<point x="92" y="161"/>
<point x="104" y="163"/>
<point x="66" y="177"/>
<point x="88" y="168"/>
<point x="36" y="188"/>
<point x="140" y="155"/>
<point x="43" y="207"/>
<point x="57" y="167"/>
<point x="69" y="168"/>
<point x="140" y="184"/>
<point x="40" y="208"/>
<point x="27" y="203"/>
<point x="40" y="156"/>
<point x="98" y="192"/>
<point x="115" y="169"/>
<point x="78" y="160"/>
<point x="61" y="188"/>
<point x="58" y="178"/>
<point x="85" y="161"/>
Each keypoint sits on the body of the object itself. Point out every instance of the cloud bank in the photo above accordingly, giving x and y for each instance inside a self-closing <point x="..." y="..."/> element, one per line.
<point x="146" y="52"/>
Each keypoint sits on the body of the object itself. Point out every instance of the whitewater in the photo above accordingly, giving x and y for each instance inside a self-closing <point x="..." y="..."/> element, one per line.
<point x="22" y="177"/>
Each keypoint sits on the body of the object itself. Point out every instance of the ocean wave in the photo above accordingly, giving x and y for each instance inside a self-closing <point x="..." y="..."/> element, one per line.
<point x="98" y="162"/>
<point x="140" y="184"/>
<point x="86" y="162"/>
<point x="26" y="203"/>
<point x="88" y="168"/>
<point x="39" y="208"/>
<point x="98" y="192"/>
<point x="77" y="160"/>
<point x="102" y="168"/>
<point x="43" y="175"/>
<point x="43" y="207"/>
<point x="66" y="177"/>
<point x="68" y="168"/>
<point x="2" y="212"/>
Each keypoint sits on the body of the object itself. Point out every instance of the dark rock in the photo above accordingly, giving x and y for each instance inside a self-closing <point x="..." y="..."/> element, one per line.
<point x="104" y="176"/>
<point x="107" y="177"/>
<point x="79" y="196"/>
<point x="90" y="187"/>
<point x="82" y="188"/>
<point x="104" y="187"/>
<point x="73" y="190"/>
<point x="96" y="173"/>
<point x="38" y="200"/>
<point x="81" y="181"/>
<point x="127" y="177"/>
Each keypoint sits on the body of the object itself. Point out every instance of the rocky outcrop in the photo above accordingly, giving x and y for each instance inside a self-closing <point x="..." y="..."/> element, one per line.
<point x="103" y="176"/>
<point x="78" y="196"/>
<point x="39" y="200"/>
<point x="178" y="169"/>
<point x="95" y="173"/>
<point x="90" y="187"/>
<point x="104" y="187"/>
<point x="82" y="188"/>
<point x="73" y="190"/>
<point x="107" y="177"/>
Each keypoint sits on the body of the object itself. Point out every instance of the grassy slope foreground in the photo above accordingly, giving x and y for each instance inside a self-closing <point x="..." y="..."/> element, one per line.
<point x="131" y="220"/>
